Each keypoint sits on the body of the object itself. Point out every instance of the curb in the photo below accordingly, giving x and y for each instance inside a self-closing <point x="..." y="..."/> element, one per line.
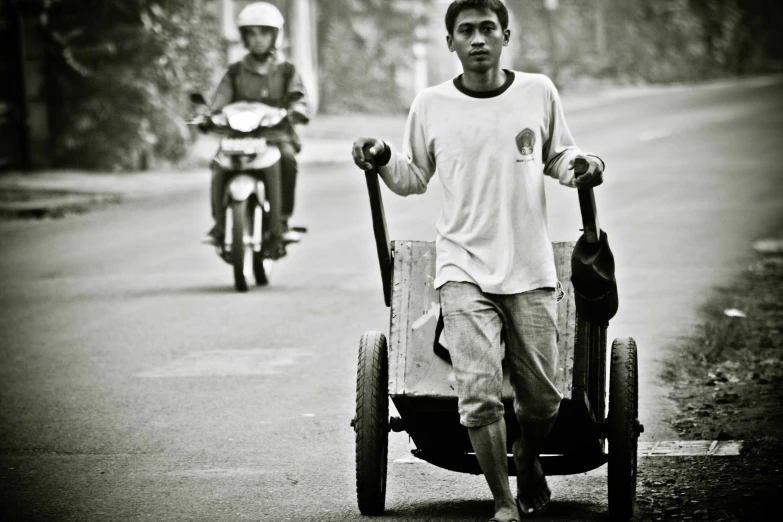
<point x="58" y="193"/>
<point x="54" y="205"/>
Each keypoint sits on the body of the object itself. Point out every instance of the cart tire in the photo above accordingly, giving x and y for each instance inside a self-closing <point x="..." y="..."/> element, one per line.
<point x="371" y="423"/>
<point x="623" y="429"/>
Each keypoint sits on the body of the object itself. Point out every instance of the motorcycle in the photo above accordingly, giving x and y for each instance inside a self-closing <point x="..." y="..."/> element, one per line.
<point x="247" y="156"/>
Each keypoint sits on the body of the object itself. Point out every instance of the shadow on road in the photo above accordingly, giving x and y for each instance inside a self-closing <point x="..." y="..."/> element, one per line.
<point x="443" y="510"/>
<point x="574" y="511"/>
<point x="480" y="510"/>
<point x="225" y="289"/>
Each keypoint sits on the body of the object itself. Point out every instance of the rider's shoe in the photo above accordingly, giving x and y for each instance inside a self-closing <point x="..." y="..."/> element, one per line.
<point x="291" y="236"/>
<point x="274" y="247"/>
<point x="214" y="237"/>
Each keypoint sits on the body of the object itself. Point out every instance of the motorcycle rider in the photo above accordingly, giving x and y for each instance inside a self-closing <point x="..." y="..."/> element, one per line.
<point x="265" y="76"/>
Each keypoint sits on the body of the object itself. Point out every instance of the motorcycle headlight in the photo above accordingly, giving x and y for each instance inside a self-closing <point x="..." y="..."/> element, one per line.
<point x="245" y="121"/>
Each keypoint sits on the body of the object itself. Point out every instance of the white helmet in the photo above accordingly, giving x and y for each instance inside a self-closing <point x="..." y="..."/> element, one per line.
<point x="260" y="13"/>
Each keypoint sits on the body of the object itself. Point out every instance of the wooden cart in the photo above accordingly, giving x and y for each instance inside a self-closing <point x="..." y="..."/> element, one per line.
<point x="422" y="385"/>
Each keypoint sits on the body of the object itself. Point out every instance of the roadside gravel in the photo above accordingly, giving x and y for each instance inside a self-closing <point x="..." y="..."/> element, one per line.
<point x="727" y="381"/>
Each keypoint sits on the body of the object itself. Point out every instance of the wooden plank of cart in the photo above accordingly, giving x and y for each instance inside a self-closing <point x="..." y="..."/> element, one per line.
<point x="422" y="385"/>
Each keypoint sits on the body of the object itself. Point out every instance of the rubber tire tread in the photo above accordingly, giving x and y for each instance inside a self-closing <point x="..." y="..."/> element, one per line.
<point x="371" y="423"/>
<point x="621" y="429"/>
<point x="239" y="211"/>
<point x="259" y="272"/>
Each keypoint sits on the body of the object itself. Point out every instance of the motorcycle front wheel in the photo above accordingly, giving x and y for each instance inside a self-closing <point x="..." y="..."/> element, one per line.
<point x="260" y="269"/>
<point x="241" y="242"/>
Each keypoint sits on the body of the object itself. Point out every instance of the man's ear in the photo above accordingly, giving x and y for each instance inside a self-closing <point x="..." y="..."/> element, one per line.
<point x="450" y="42"/>
<point x="506" y="36"/>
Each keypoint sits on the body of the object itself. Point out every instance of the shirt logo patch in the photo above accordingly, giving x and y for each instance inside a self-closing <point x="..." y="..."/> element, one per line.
<point x="525" y="142"/>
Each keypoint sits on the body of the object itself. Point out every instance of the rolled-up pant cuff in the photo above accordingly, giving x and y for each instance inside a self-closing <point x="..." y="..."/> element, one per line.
<point x="477" y="422"/>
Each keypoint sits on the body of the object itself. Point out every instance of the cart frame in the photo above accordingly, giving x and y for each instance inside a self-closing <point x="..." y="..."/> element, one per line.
<point x="423" y="389"/>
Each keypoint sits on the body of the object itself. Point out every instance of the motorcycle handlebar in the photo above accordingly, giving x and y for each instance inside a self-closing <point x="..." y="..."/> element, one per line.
<point x="197" y="120"/>
<point x="202" y="122"/>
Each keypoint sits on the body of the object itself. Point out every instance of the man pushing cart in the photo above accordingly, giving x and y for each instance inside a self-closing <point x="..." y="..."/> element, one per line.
<point x="517" y="335"/>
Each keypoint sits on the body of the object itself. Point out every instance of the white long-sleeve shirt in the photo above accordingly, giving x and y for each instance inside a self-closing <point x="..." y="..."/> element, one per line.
<point x="491" y="150"/>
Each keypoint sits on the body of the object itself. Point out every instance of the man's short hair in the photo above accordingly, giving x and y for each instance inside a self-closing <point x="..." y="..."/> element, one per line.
<point x="457" y="6"/>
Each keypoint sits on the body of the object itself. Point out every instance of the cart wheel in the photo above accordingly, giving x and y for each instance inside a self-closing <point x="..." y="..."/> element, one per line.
<point x="371" y="423"/>
<point x="623" y="428"/>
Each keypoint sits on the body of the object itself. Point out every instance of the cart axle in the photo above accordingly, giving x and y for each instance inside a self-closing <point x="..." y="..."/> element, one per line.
<point x="394" y="424"/>
<point x="638" y="427"/>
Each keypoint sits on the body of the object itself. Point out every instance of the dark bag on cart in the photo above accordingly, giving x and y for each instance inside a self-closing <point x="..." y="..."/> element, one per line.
<point x="592" y="274"/>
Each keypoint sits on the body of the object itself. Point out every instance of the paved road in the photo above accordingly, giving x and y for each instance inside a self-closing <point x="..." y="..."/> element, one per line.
<point x="136" y="385"/>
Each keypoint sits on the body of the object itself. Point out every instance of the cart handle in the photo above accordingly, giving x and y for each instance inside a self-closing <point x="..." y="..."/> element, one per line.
<point x="592" y="231"/>
<point x="379" y="229"/>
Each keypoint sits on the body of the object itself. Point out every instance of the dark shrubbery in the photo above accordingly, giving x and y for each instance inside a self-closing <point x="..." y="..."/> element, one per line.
<point x="120" y="70"/>
<point x="119" y="74"/>
<point x="646" y="41"/>
<point x="361" y="44"/>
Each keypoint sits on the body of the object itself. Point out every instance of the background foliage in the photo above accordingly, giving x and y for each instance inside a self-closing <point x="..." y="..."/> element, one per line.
<point x="361" y="45"/>
<point x="120" y="71"/>
<point x="660" y="41"/>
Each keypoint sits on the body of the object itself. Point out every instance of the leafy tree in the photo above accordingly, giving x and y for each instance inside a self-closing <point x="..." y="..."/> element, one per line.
<point x="361" y="45"/>
<point x="120" y="70"/>
<point x="661" y="41"/>
<point x="118" y="77"/>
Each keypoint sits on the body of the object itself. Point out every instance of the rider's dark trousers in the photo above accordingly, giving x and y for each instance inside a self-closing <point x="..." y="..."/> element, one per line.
<point x="289" y="170"/>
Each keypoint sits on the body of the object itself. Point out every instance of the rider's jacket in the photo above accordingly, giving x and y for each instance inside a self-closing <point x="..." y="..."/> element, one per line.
<point x="274" y="82"/>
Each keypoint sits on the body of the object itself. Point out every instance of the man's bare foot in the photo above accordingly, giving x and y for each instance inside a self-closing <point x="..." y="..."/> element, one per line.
<point x="533" y="493"/>
<point x="505" y="513"/>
